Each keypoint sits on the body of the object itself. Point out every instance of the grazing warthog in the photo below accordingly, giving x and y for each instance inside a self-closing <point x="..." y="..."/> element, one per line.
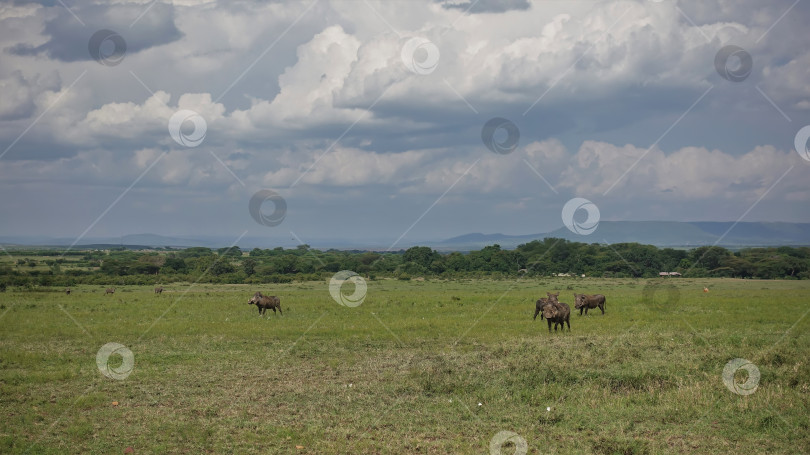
<point x="159" y="290"/>
<point x="264" y="302"/>
<point x="558" y="313"/>
<point x="538" y="307"/>
<point x="584" y="302"/>
<point x="67" y="291"/>
<point x="109" y="291"/>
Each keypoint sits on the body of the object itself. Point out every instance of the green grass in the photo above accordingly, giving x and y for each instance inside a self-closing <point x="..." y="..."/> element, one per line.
<point x="405" y="371"/>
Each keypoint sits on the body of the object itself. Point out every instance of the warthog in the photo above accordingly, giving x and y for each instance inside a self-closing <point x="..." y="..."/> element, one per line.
<point x="558" y="313"/>
<point x="538" y="307"/>
<point x="263" y="302"/>
<point x="584" y="302"/>
<point x="67" y="291"/>
<point x="159" y="290"/>
<point x="553" y="297"/>
<point x="109" y="291"/>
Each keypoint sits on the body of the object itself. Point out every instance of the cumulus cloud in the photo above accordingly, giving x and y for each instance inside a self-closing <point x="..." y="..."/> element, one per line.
<point x="688" y="173"/>
<point x="632" y="53"/>
<point x="345" y="166"/>
<point x="13" y="11"/>
<point x="594" y="169"/>
<point x="131" y="120"/>
<point x="17" y="94"/>
<point x="319" y="101"/>
<point x="308" y="88"/>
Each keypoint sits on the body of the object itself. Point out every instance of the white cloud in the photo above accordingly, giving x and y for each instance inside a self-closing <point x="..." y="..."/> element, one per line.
<point x="308" y="88"/>
<point x="344" y="166"/>
<point x="688" y="173"/>
<point x="788" y="83"/>
<point x="572" y="53"/>
<point x="16" y="99"/>
<point x="275" y="100"/>
<point x="628" y="172"/>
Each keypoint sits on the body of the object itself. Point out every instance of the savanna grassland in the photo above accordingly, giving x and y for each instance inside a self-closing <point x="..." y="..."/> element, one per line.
<point x="419" y="367"/>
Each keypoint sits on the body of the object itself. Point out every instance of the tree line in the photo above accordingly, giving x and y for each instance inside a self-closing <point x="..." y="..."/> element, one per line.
<point x="537" y="258"/>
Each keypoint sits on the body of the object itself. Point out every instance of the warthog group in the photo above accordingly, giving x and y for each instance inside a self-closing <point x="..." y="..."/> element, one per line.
<point x="559" y="313"/>
<point x="265" y="302"/>
<point x="553" y="311"/>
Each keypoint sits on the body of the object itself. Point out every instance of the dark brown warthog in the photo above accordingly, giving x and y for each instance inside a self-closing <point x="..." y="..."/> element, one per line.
<point x="584" y="302"/>
<point x="109" y="291"/>
<point x="67" y="291"/>
<point x="159" y="290"/>
<point x="538" y="307"/>
<point x="558" y="313"/>
<point x="553" y="297"/>
<point x="264" y="302"/>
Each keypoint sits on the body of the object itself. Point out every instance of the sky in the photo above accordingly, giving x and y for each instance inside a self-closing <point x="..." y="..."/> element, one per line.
<point x="391" y="122"/>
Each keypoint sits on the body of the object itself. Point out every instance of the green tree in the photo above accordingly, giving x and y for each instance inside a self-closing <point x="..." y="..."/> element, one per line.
<point x="249" y="266"/>
<point x="739" y="266"/>
<point x="457" y="262"/>
<point x="175" y="264"/>
<point x="222" y="267"/>
<point x="286" y="264"/>
<point x="369" y="258"/>
<point x="196" y="252"/>
<point x="709" y="257"/>
<point x="233" y="251"/>
<point x="421" y="255"/>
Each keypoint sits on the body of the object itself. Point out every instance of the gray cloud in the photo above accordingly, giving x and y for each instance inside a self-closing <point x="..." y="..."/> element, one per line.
<point x="487" y="6"/>
<point x="68" y="38"/>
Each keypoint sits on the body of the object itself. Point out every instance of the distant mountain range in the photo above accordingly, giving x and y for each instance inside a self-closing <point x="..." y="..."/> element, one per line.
<point x="658" y="233"/>
<point x="145" y="241"/>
